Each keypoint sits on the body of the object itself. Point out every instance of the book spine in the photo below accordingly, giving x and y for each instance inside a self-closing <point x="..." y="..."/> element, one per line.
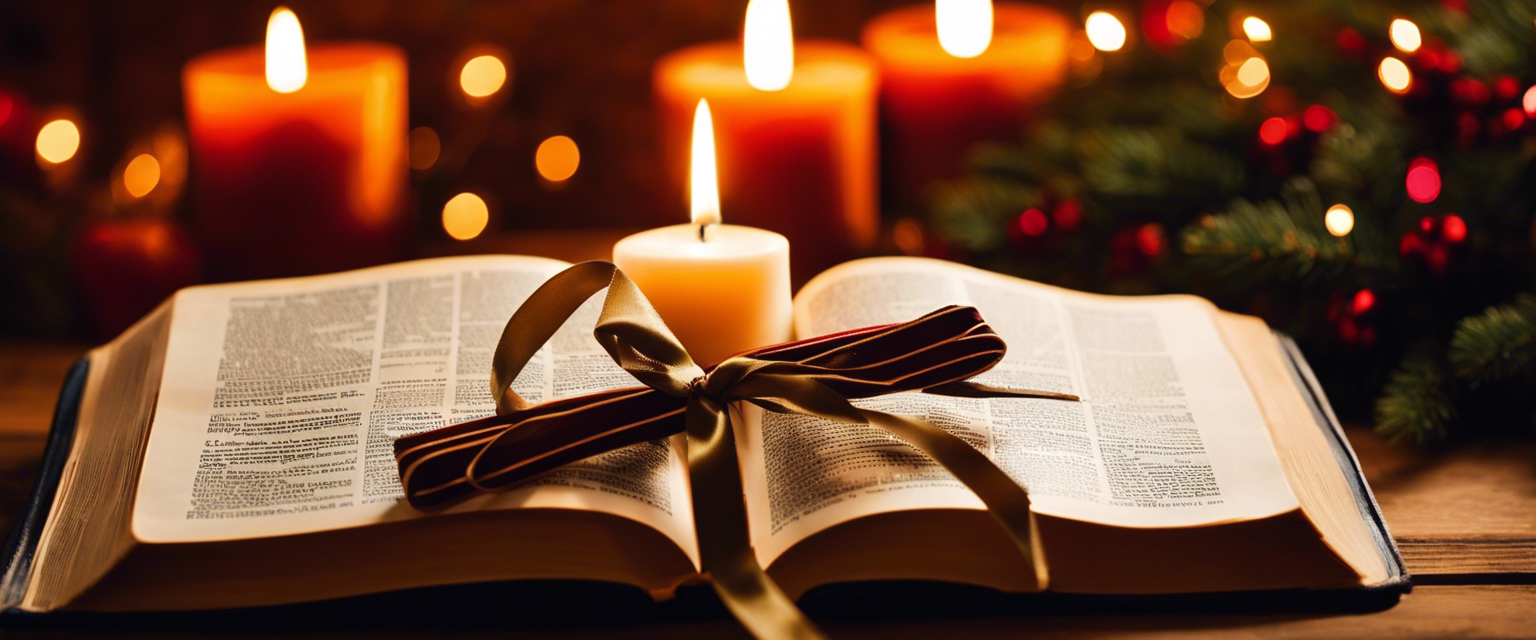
<point x="22" y="542"/>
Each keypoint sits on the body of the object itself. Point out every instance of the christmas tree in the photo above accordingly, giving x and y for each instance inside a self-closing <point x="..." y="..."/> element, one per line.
<point x="1359" y="174"/>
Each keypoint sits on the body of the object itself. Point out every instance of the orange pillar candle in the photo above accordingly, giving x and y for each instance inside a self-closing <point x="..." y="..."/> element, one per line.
<point x="298" y="154"/>
<point x="796" y="133"/>
<point x="944" y="90"/>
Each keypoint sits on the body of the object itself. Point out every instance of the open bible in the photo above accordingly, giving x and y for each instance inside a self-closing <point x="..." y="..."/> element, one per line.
<point x="233" y="449"/>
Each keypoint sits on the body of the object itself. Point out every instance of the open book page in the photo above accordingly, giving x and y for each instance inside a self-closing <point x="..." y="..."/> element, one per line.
<point x="1168" y="433"/>
<point x="281" y="401"/>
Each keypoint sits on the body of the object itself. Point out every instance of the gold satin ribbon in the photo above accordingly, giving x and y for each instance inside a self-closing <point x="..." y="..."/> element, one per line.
<point x="815" y="377"/>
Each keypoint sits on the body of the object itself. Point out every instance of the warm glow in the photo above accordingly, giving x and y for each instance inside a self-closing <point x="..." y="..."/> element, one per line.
<point x="58" y="141"/>
<point x="1105" y="31"/>
<point x="483" y="76"/>
<point x="557" y="159"/>
<point x="703" y="184"/>
<point x="965" y="26"/>
<point x="1185" y="19"/>
<point x="1238" y="51"/>
<point x="1405" y="35"/>
<point x="1254" y="72"/>
<point x="465" y="216"/>
<point x="768" y="45"/>
<point x="1423" y="182"/>
<point x="1257" y="30"/>
<point x="1340" y="220"/>
<point x="287" y="70"/>
<point x="141" y="175"/>
<point x="1529" y="102"/>
<point x="1395" y="75"/>
<point x="425" y="148"/>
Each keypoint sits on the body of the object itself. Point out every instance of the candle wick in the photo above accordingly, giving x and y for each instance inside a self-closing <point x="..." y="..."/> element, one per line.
<point x="702" y="227"/>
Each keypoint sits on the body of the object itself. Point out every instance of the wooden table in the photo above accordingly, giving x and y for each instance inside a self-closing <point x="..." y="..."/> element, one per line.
<point x="1465" y="520"/>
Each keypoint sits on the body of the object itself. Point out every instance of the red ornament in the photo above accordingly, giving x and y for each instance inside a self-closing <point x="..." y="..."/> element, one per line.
<point x="1350" y="42"/>
<point x="1033" y="223"/>
<point x="1507" y="87"/>
<point x="1318" y="118"/>
<point x="1423" y="180"/>
<point x="1273" y="131"/>
<point x="1470" y="91"/>
<point x="1435" y="242"/>
<point x="1353" y="317"/>
<point x="1067" y="215"/>
<point x="127" y="266"/>
<point x="1135" y="247"/>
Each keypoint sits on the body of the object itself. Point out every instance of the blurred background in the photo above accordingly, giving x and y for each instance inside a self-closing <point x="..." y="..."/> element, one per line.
<point x="1359" y="174"/>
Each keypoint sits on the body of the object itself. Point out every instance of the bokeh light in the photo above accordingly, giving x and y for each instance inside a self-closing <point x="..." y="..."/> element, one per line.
<point x="557" y="159"/>
<point x="1529" y="101"/>
<point x="1363" y="301"/>
<point x="58" y="141"/>
<point x="425" y="148"/>
<point x="1405" y="35"/>
<point x="1453" y="229"/>
<point x="1395" y="75"/>
<point x="1033" y="222"/>
<point x="142" y="175"/>
<point x="1272" y="132"/>
<point x="483" y="76"/>
<point x="1105" y="31"/>
<point x="1256" y="29"/>
<point x="1317" y="118"/>
<point x="1423" y="180"/>
<point x="1185" y="19"/>
<point x="1340" y="220"/>
<point x="465" y="216"/>
<point x="1253" y="72"/>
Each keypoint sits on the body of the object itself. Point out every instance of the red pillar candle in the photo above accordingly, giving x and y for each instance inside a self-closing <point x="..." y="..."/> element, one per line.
<point x="303" y="177"/>
<point x="935" y="105"/>
<point x="798" y="159"/>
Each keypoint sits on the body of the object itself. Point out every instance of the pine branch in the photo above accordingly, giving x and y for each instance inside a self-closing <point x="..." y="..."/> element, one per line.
<point x="970" y="212"/>
<point x="1498" y="344"/>
<point x="1417" y="404"/>
<point x="1273" y="241"/>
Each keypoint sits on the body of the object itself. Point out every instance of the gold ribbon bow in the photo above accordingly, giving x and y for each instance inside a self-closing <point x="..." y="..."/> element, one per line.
<point x="817" y="376"/>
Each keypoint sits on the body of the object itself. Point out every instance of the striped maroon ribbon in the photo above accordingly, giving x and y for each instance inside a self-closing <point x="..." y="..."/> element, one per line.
<point x="444" y="465"/>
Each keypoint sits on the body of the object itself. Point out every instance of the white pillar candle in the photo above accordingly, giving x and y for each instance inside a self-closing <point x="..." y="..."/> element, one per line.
<point x="722" y="289"/>
<point x="720" y="296"/>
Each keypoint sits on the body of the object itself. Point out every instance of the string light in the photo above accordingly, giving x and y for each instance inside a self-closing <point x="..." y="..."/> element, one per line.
<point x="1395" y="75"/>
<point x="1256" y="29"/>
<point x="1405" y="35"/>
<point x="1105" y="31"/>
<point x="1340" y="220"/>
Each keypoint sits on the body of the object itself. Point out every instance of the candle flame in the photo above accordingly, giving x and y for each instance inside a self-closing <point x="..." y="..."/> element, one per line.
<point x="964" y="26"/>
<point x="287" y="69"/>
<point x="768" y="45"/>
<point x="703" y="184"/>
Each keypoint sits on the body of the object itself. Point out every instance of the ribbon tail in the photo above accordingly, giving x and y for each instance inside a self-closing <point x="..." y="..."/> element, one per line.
<point x="720" y="520"/>
<point x="1006" y="500"/>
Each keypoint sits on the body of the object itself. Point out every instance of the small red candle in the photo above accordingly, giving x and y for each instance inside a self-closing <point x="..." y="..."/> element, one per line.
<point x="938" y="99"/>
<point x="795" y="132"/>
<point x="299" y="156"/>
